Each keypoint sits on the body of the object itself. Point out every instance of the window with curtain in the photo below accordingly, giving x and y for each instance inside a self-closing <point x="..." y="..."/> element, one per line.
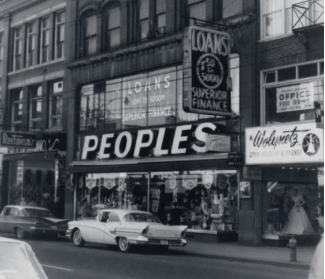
<point x="113" y="30"/>
<point x="30" y="46"/>
<point x="89" y="34"/>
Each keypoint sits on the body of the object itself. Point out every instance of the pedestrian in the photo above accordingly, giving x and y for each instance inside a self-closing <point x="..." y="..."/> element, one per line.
<point x="316" y="269"/>
<point x="174" y="217"/>
<point x="87" y="210"/>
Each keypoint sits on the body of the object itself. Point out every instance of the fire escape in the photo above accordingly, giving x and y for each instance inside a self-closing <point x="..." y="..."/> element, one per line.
<point x="307" y="17"/>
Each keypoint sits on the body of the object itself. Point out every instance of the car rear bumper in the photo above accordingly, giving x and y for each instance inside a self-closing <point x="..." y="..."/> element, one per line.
<point x="141" y="240"/>
<point x="46" y="231"/>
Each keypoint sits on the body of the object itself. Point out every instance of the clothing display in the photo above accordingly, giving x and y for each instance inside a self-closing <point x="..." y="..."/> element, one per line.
<point x="298" y="221"/>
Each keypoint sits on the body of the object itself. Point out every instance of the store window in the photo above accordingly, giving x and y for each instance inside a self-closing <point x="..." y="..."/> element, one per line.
<point x="35" y="107"/>
<point x="59" y="35"/>
<point x="112" y="28"/>
<point x="16" y="109"/>
<point x="30" y="45"/>
<point x="291" y="93"/>
<point x="89" y="34"/>
<point x="45" y="40"/>
<point x="195" y="9"/>
<point x="206" y="200"/>
<point x="55" y="111"/>
<point x="291" y="209"/>
<point x="18" y="46"/>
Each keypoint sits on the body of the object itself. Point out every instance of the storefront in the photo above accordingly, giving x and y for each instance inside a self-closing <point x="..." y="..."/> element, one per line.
<point x="36" y="175"/>
<point x="289" y="151"/>
<point x="139" y="149"/>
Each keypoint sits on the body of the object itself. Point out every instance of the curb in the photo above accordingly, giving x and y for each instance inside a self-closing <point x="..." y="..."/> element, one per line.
<point x="296" y="265"/>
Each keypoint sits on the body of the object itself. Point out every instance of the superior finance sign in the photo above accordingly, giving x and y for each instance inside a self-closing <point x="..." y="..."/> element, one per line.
<point x="281" y="144"/>
<point x="207" y="84"/>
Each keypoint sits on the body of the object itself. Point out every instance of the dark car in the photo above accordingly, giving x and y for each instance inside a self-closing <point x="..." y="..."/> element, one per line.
<point x="31" y="220"/>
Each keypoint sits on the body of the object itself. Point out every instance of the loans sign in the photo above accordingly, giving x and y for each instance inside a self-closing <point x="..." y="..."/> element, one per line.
<point x="207" y="84"/>
<point x="281" y="144"/>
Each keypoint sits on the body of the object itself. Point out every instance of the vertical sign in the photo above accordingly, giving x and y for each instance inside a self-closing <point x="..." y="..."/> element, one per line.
<point x="20" y="175"/>
<point x="207" y="84"/>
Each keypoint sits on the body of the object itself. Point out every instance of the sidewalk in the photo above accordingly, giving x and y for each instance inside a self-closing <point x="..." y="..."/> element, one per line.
<point x="232" y="251"/>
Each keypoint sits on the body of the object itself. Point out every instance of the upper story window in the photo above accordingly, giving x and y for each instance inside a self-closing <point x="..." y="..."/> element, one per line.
<point x="143" y="12"/>
<point x="18" y="41"/>
<point x="276" y="17"/>
<point x="112" y="28"/>
<point x="35" y="107"/>
<point x="160" y="17"/>
<point x="30" y="45"/>
<point x="195" y="9"/>
<point x="55" y="117"/>
<point x="59" y="35"/>
<point x="89" y="34"/>
<point x="1" y="53"/>
<point x="45" y="40"/>
<point x="290" y="93"/>
<point x="16" y="107"/>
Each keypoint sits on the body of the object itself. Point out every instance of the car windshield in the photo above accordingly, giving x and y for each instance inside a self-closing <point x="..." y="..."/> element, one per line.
<point x="31" y="212"/>
<point x="17" y="260"/>
<point x="141" y="217"/>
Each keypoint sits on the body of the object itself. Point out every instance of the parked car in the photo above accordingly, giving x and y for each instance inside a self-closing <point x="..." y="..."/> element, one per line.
<point x="126" y="228"/>
<point x="17" y="260"/>
<point x="30" y="220"/>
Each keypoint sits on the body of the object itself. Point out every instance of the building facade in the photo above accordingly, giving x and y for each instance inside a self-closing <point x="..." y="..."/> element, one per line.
<point x="107" y="87"/>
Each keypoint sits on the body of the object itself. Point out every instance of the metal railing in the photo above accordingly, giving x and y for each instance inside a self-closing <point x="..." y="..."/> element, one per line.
<point x="307" y="14"/>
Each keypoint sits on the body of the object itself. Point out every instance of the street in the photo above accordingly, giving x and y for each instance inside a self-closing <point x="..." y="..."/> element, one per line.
<point x="61" y="259"/>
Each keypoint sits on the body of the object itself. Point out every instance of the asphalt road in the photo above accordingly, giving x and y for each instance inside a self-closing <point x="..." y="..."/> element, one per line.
<point x="61" y="259"/>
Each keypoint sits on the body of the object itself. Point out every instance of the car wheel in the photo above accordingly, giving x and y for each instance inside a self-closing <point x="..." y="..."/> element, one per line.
<point x="20" y="233"/>
<point x="124" y="245"/>
<point x="77" y="239"/>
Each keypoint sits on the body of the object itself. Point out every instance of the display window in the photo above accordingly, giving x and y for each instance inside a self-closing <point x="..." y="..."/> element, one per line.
<point x="202" y="200"/>
<point x="291" y="209"/>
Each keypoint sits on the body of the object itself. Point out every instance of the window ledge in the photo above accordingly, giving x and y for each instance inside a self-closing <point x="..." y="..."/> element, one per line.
<point x="36" y="66"/>
<point x="278" y="37"/>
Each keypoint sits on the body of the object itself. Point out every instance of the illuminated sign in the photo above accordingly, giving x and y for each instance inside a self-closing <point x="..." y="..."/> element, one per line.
<point x="207" y="84"/>
<point x="295" y="143"/>
<point x="178" y="140"/>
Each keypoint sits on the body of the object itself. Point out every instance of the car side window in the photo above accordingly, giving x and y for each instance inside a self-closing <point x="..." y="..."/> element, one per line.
<point x="113" y="218"/>
<point x="7" y="212"/>
<point x="14" y="212"/>
<point x="104" y="217"/>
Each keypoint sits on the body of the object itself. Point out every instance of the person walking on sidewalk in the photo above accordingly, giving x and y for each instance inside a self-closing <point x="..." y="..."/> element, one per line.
<point x="317" y="263"/>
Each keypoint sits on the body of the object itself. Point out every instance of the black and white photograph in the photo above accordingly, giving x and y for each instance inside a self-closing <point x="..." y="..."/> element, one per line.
<point x="159" y="139"/>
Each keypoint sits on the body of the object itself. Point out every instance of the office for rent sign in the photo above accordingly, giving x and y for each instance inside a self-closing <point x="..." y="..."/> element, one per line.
<point x="281" y="144"/>
<point x="207" y="84"/>
<point x="296" y="97"/>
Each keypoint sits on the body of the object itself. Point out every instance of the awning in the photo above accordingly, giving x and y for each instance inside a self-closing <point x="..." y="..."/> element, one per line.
<point x="164" y="163"/>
